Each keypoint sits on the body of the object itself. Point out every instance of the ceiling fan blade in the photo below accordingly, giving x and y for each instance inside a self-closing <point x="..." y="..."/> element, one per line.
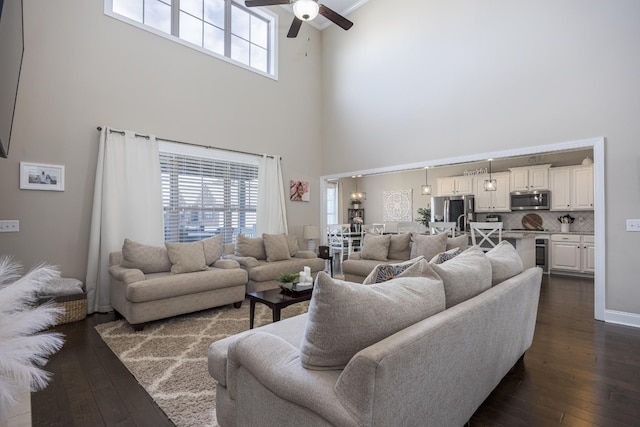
<point x="295" y="27"/>
<point x="335" y="17"/>
<point x="254" y="3"/>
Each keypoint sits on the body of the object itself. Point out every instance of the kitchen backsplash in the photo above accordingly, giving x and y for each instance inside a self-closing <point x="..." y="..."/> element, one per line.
<point x="583" y="220"/>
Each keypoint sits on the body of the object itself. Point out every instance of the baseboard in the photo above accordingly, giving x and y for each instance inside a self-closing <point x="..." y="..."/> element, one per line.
<point x="622" y="318"/>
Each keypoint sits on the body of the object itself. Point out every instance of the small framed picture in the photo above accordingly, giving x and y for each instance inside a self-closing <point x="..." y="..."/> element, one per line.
<point x="299" y="191"/>
<point x="36" y="176"/>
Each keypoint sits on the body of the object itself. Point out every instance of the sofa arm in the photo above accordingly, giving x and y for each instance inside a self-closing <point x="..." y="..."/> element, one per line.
<point x="275" y="364"/>
<point x="244" y="261"/>
<point x="126" y="275"/>
<point x="226" y="263"/>
<point x="305" y="254"/>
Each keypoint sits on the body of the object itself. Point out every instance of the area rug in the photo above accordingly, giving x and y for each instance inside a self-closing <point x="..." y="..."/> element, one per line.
<point x="169" y="357"/>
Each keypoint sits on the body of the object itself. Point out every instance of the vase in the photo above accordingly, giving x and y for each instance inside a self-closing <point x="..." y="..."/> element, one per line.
<point x="564" y="228"/>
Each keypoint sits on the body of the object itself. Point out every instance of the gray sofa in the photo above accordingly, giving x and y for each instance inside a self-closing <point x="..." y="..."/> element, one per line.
<point x="395" y="249"/>
<point x="265" y="258"/>
<point x="465" y="329"/>
<point x="150" y="283"/>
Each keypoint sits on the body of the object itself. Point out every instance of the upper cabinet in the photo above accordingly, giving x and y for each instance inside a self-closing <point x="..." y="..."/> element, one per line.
<point x="530" y="178"/>
<point x="493" y="201"/>
<point x="571" y="188"/>
<point x="455" y="186"/>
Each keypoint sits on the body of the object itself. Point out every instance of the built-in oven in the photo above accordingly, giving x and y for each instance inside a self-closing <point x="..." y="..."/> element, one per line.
<point x="542" y="252"/>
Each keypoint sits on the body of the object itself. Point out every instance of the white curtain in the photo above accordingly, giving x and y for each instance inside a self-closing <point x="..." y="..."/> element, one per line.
<point x="127" y="202"/>
<point x="271" y="210"/>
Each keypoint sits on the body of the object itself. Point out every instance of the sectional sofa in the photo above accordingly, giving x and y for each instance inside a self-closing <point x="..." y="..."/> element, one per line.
<point x="423" y="348"/>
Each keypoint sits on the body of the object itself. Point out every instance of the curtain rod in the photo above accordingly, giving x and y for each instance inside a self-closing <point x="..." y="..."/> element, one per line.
<point x="121" y="132"/>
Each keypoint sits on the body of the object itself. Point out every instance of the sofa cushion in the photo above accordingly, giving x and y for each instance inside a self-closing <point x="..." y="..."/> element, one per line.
<point x="292" y="242"/>
<point x="505" y="262"/>
<point x="276" y="247"/>
<point x="345" y="317"/>
<point x="148" y="259"/>
<point x="375" y="247"/>
<point x="212" y="249"/>
<point x="383" y="272"/>
<point x="445" y="256"/>
<point x="465" y="276"/>
<point x="400" y="246"/>
<point x="250" y="247"/>
<point x="186" y="257"/>
<point x="461" y="242"/>
<point x="428" y="245"/>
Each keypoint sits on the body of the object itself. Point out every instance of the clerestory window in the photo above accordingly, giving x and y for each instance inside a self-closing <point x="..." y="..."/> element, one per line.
<point x="205" y="195"/>
<point x="223" y="28"/>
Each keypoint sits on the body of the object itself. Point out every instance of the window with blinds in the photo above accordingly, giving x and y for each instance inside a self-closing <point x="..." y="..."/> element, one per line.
<point x="204" y="197"/>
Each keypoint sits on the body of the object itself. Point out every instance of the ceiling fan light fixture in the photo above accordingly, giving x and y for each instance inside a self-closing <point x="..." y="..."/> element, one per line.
<point x="305" y="10"/>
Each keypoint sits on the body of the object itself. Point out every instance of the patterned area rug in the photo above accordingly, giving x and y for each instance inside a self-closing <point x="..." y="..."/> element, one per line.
<point x="169" y="357"/>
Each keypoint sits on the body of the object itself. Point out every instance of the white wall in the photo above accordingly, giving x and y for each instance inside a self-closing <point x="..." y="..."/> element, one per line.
<point x="434" y="79"/>
<point x="83" y="69"/>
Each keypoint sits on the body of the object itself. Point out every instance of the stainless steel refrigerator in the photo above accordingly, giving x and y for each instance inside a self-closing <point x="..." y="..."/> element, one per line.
<point x="458" y="209"/>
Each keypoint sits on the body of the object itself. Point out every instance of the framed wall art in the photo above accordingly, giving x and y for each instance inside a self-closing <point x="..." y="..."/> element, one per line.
<point x="299" y="191"/>
<point x="36" y="176"/>
<point x="397" y="205"/>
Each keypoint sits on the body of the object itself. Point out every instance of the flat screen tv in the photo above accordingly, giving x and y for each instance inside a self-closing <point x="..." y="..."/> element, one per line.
<point x="11" y="51"/>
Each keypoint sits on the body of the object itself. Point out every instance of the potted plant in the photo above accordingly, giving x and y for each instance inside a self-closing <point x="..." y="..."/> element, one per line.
<point x="424" y="216"/>
<point x="288" y="277"/>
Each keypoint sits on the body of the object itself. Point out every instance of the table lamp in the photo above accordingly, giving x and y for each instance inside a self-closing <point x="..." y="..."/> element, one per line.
<point x="311" y="233"/>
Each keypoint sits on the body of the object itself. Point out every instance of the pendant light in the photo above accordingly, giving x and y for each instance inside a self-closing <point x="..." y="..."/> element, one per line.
<point x="426" y="188"/>
<point x="490" y="184"/>
<point x="357" y="195"/>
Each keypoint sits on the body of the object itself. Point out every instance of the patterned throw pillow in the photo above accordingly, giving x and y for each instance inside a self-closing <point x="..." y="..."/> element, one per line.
<point x="446" y="256"/>
<point x="383" y="272"/>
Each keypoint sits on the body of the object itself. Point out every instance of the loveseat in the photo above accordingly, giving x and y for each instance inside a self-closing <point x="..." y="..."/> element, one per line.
<point x="396" y="248"/>
<point x="265" y="258"/>
<point x="150" y="283"/>
<point x="424" y="348"/>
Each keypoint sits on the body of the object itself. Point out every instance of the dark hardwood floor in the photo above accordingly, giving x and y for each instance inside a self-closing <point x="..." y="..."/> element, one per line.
<point x="578" y="372"/>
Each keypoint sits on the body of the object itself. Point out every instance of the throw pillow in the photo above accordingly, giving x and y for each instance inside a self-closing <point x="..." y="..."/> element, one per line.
<point x="375" y="247"/>
<point x="400" y="246"/>
<point x="345" y="317"/>
<point x="505" y="262"/>
<point x="461" y="242"/>
<point x="428" y="245"/>
<point x="383" y="272"/>
<point x="212" y="249"/>
<point x="292" y="242"/>
<point x="276" y="247"/>
<point x="465" y="276"/>
<point x="250" y="247"/>
<point x="186" y="257"/>
<point x="445" y="256"/>
<point x="148" y="259"/>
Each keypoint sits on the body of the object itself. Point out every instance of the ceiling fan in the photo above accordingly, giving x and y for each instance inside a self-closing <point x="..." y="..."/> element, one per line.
<point x="305" y="10"/>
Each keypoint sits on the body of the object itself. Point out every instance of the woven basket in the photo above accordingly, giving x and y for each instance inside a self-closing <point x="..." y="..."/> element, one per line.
<point x="75" y="307"/>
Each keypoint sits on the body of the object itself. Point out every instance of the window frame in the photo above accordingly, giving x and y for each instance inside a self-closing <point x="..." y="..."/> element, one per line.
<point x="264" y="13"/>
<point x="172" y="148"/>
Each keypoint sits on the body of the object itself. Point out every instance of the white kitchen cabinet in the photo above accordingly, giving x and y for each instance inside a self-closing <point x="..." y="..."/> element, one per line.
<point x="455" y="185"/>
<point x="582" y="187"/>
<point x="493" y="201"/>
<point x="530" y="178"/>
<point x="571" y="188"/>
<point x="573" y="252"/>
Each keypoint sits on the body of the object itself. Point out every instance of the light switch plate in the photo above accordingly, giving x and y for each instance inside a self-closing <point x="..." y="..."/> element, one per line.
<point x="9" y="226"/>
<point x="633" y="225"/>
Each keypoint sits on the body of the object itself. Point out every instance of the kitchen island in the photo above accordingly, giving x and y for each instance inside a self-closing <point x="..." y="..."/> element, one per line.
<point x="525" y="244"/>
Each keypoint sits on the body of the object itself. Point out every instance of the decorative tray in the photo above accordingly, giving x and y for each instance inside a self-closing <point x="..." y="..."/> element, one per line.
<point x="296" y="288"/>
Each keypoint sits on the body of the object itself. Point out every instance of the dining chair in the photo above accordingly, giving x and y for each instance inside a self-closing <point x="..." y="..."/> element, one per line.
<point x="340" y="239"/>
<point x="443" y="227"/>
<point x="487" y="232"/>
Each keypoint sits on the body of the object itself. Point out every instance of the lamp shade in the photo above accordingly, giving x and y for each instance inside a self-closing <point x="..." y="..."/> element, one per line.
<point x="310" y="232"/>
<point x="305" y="10"/>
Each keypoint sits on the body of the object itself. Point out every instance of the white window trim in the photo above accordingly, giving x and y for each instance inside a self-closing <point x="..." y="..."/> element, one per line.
<point x="273" y="35"/>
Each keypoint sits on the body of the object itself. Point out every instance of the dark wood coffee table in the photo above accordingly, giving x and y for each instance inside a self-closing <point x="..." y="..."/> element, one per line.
<point x="275" y="299"/>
